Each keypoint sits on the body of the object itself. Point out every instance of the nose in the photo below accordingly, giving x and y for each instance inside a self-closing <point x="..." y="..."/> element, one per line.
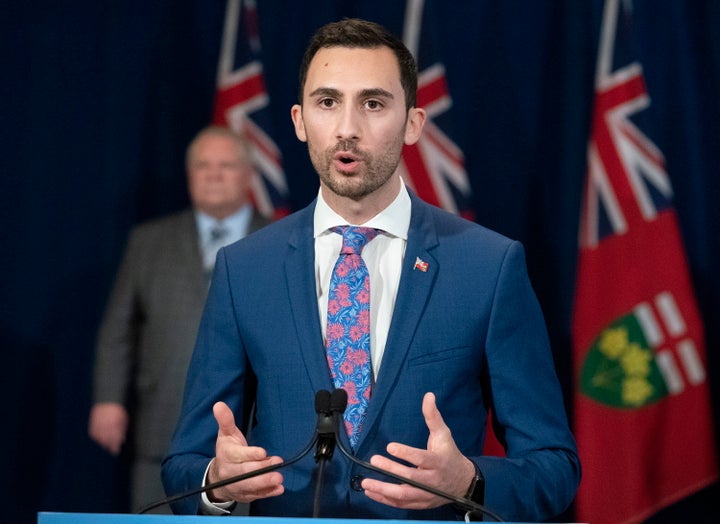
<point x="348" y="124"/>
<point x="214" y="171"/>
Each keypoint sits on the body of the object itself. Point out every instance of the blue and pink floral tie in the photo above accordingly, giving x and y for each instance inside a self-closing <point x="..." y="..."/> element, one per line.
<point x="348" y="326"/>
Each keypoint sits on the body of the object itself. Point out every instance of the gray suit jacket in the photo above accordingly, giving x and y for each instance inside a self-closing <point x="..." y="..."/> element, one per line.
<point x="150" y="325"/>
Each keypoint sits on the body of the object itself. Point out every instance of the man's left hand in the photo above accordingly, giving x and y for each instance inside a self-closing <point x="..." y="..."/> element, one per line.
<point x="440" y="466"/>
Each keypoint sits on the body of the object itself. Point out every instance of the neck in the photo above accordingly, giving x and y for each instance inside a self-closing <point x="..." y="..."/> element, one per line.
<point x="221" y="213"/>
<point x="360" y="211"/>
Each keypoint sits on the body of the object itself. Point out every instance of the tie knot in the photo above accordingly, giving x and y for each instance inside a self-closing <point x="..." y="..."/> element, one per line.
<point x="218" y="232"/>
<point x="355" y="238"/>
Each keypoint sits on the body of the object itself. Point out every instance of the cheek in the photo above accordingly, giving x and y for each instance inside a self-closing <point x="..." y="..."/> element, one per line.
<point x="194" y="184"/>
<point x="231" y="180"/>
<point x="316" y="144"/>
<point x="312" y="133"/>
<point x="386" y="129"/>
<point x="318" y="127"/>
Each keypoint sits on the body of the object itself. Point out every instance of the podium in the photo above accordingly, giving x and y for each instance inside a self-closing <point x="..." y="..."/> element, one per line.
<point x="124" y="518"/>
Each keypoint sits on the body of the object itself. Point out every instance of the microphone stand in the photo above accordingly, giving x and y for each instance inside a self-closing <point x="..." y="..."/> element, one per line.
<point x="326" y="438"/>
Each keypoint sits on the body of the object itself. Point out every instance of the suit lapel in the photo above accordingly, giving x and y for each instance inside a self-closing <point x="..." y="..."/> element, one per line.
<point x="300" y="281"/>
<point x="189" y="245"/>
<point x="413" y="292"/>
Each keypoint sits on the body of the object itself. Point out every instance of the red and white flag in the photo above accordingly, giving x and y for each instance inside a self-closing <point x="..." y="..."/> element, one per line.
<point x="642" y="403"/>
<point x="434" y="167"/>
<point x="242" y="102"/>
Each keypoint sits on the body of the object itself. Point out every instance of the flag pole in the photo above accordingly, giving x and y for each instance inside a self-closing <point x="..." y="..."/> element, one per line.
<point x="412" y="25"/>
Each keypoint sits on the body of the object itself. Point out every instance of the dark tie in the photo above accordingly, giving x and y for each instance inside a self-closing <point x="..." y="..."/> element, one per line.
<point x="218" y="238"/>
<point x="348" y="326"/>
<point x="218" y="233"/>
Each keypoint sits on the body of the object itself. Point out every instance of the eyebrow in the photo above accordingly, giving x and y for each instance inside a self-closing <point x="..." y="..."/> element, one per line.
<point x="376" y="92"/>
<point x="365" y="93"/>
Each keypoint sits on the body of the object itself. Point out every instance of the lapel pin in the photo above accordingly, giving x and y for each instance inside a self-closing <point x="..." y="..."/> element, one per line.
<point x="420" y="264"/>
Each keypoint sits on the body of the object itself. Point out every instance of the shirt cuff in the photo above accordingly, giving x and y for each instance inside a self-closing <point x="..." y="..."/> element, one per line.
<point x="208" y="507"/>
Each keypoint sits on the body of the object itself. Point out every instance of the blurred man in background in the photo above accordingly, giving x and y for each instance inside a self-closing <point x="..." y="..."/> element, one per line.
<point x="151" y="320"/>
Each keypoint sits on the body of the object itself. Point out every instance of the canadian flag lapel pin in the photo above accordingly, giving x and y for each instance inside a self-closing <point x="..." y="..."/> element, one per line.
<point x="420" y="264"/>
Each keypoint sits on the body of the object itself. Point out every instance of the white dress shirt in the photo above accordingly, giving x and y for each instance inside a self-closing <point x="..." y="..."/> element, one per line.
<point x="383" y="256"/>
<point x="235" y="226"/>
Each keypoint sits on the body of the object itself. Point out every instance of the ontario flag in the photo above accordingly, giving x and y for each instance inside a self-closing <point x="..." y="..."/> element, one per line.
<point x="642" y="403"/>
<point x="242" y="103"/>
<point x="434" y="167"/>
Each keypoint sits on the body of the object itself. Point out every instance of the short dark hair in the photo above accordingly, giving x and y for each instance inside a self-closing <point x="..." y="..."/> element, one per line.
<point x="354" y="32"/>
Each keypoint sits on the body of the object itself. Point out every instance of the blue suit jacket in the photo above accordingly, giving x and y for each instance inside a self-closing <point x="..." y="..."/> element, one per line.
<point x="468" y="329"/>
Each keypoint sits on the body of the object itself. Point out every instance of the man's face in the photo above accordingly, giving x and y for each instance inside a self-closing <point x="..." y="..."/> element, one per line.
<point x="354" y="119"/>
<point x="219" y="175"/>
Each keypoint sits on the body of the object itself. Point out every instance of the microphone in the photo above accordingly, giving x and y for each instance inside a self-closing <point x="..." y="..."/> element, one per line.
<point x="324" y="436"/>
<point x="338" y="403"/>
<point x="325" y="428"/>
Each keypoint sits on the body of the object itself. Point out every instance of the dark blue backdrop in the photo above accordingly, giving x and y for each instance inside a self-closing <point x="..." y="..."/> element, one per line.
<point x="99" y="99"/>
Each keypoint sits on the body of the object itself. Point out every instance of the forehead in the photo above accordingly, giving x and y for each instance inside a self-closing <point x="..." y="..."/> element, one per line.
<point x="215" y="144"/>
<point x="350" y="69"/>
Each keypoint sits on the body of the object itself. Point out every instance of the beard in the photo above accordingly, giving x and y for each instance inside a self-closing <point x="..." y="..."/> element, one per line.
<point x="374" y="172"/>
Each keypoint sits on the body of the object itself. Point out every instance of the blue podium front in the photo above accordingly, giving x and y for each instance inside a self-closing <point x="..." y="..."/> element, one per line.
<point x="127" y="518"/>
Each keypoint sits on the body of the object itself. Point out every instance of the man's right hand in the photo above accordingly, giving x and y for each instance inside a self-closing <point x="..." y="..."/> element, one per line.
<point x="108" y="425"/>
<point x="234" y="457"/>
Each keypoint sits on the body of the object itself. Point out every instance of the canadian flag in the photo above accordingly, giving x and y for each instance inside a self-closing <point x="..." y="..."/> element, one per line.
<point x="242" y="102"/>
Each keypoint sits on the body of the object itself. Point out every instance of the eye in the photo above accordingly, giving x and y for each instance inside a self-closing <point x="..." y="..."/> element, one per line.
<point x="327" y="102"/>
<point x="373" y="105"/>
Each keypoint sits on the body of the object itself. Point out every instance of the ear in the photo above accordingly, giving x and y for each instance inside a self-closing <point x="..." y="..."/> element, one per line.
<point x="298" y="122"/>
<point x="414" y="126"/>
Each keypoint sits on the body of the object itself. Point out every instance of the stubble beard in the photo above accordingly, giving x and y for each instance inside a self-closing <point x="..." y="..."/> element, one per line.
<point x="373" y="174"/>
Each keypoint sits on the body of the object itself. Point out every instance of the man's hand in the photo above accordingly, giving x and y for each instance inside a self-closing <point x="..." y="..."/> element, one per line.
<point x="108" y="425"/>
<point x="440" y="466"/>
<point x="234" y="457"/>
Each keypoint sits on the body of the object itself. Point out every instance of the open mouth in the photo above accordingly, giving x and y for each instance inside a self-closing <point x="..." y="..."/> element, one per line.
<point x="345" y="157"/>
<point x="346" y="161"/>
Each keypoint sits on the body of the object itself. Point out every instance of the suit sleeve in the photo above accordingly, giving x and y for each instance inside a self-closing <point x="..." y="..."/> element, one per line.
<point x="541" y="470"/>
<point x="119" y="330"/>
<point x="217" y="372"/>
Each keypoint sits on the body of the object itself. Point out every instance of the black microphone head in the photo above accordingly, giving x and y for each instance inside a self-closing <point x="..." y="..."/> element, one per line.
<point x="338" y="401"/>
<point x="322" y="401"/>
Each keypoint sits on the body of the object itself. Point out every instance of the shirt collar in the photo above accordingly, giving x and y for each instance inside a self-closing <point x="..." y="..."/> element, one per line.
<point x="236" y="223"/>
<point x="394" y="219"/>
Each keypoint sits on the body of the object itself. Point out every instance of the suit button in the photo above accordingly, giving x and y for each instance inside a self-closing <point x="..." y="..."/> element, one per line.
<point x="356" y="482"/>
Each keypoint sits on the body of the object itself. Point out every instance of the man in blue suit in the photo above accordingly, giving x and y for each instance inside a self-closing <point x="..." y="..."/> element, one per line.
<point x="455" y="330"/>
